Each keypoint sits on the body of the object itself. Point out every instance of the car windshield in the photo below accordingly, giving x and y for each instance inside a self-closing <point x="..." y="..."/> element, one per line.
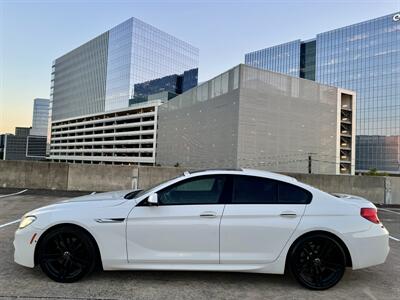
<point x="137" y="193"/>
<point x="132" y="194"/>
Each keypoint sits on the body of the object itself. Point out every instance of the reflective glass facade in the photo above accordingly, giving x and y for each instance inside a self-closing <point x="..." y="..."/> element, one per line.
<point x="79" y="80"/>
<point x="131" y="61"/>
<point x="283" y="58"/>
<point x="119" y="66"/>
<point x="308" y="60"/>
<point x="157" y="58"/>
<point x="365" y="58"/>
<point x="40" y="117"/>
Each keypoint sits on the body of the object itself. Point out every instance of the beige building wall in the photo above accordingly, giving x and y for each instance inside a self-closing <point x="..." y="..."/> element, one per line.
<point x="253" y="118"/>
<point x="199" y="128"/>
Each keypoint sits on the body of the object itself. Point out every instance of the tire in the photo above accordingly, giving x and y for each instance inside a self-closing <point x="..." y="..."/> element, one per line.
<point x="317" y="262"/>
<point x="67" y="254"/>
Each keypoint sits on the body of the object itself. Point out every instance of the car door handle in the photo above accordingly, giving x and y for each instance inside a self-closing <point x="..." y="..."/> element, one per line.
<point x="208" y="214"/>
<point x="288" y="214"/>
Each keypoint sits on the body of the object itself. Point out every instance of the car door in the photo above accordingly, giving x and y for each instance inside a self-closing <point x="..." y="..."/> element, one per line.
<point x="262" y="216"/>
<point x="183" y="228"/>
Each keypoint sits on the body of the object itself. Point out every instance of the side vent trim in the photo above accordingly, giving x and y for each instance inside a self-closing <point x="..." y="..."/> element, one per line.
<point x="110" y="220"/>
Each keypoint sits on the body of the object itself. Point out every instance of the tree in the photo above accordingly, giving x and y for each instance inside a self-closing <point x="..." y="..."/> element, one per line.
<point x="374" y="172"/>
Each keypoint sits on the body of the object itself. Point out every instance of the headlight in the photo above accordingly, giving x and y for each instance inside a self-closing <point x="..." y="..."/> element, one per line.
<point x="26" y="220"/>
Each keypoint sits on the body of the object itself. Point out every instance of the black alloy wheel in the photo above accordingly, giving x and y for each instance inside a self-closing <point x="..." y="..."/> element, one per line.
<point x="318" y="262"/>
<point x="66" y="254"/>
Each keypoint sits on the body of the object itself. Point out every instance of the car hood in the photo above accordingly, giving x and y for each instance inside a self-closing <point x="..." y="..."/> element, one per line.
<point x="108" y="196"/>
<point x="110" y="205"/>
<point x="108" y="199"/>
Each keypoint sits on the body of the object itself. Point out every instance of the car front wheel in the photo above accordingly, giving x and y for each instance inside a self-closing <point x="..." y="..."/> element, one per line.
<point x="66" y="254"/>
<point x="317" y="262"/>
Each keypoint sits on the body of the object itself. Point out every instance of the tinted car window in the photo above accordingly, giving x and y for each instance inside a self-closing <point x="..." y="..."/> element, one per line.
<point x="258" y="190"/>
<point x="200" y="190"/>
<point x="290" y="194"/>
<point x="201" y="185"/>
<point x="255" y="190"/>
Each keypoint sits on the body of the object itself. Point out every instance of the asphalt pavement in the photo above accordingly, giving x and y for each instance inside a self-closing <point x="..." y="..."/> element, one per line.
<point x="17" y="282"/>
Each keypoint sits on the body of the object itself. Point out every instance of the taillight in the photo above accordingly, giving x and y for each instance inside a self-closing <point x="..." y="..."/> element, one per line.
<point x="370" y="214"/>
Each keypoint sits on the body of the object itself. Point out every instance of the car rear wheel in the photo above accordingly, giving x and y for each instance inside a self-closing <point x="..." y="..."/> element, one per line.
<point x="66" y="254"/>
<point x="318" y="262"/>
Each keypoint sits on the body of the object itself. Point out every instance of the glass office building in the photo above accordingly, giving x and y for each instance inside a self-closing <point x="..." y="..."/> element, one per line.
<point x="283" y="58"/>
<point x="365" y="58"/>
<point x="22" y="145"/>
<point x="40" y="117"/>
<point x="126" y="62"/>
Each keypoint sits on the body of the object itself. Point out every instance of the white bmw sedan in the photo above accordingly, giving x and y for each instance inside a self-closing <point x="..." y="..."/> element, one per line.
<point x="215" y="220"/>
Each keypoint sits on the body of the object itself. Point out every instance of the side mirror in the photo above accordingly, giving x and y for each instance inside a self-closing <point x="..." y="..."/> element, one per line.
<point x="153" y="199"/>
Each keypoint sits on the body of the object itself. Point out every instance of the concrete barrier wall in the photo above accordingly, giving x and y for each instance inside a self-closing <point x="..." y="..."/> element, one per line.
<point x="80" y="177"/>
<point x="149" y="176"/>
<point x="369" y="187"/>
<point x="393" y="190"/>
<point x="85" y="177"/>
<point x="34" y="175"/>
<point x="101" y="177"/>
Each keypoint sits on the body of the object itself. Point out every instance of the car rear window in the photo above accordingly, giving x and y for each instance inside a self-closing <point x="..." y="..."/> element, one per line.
<point x="291" y="194"/>
<point x="259" y="190"/>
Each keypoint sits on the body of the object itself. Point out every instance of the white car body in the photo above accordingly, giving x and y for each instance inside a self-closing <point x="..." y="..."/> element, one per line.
<point x="217" y="237"/>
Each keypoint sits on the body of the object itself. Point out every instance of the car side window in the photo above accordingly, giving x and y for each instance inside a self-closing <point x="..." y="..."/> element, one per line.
<point x="198" y="190"/>
<point x="291" y="194"/>
<point x="254" y="190"/>
<point x="259" y="190"/>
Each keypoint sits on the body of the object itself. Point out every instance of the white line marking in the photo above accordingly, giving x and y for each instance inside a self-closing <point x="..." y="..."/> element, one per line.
<point x="393" y="238"/>
<point x="395" y="212"/>
<point x="9" y="223"/>
<point x="17" y="193"/>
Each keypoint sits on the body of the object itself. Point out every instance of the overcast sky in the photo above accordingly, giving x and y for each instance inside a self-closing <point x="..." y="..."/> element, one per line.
<point x="34" y="33"/>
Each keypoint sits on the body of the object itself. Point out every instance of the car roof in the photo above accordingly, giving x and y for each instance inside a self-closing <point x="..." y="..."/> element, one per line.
<point x="251" y="172"/>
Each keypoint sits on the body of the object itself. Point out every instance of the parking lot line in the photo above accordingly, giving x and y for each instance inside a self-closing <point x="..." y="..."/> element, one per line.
<point x="9" y="223"/>
<point x="393" y="238"/>
<point x="388" y="210"/>
<point x="13" y="194"/>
